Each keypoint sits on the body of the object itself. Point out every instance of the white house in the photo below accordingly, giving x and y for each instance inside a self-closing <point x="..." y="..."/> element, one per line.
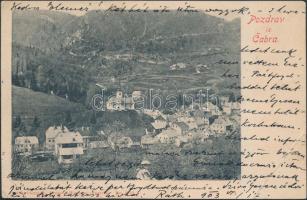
<point x="221" y="125"/>
<point x="153" y="113"/>
<point x="201" y="66"/>
<point x="202" y="122"/>
<point x="119" y="102"/>
<point x="148" y="140"/>
<point x="50" y="135"/>
<point x="168" y="136"/>
<point x="178" y="66"/>
<point x="159" y="124"/>
<point x="68" y="147"/>
<point x="25" y="144"/>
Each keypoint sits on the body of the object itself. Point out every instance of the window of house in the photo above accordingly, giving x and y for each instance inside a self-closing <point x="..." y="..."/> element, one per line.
<point x="69" y="145"/>
<point x="67" y="156"/>
<point x="49" y="140"/>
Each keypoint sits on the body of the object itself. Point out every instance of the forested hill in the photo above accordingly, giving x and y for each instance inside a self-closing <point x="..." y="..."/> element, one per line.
<point x="54" y="52"/>
<point x="51" y="31"/>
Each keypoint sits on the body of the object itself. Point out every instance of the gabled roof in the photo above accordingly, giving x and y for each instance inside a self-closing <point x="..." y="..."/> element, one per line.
<point x="221" y="120"/>
<point x="200" y="121"/>
<point x="148" y="139"/>
<point x="69" y="137"/>
<point x="169" y="133"/>
<point x="182" y="125"/>
<point x="171" y="118"/>
<point x="199" y="113"/>
<point x="159" y="125"/>
<point x="53" y="131"/>
<point x="26" y="139"/>
<point x="160" y="118"/>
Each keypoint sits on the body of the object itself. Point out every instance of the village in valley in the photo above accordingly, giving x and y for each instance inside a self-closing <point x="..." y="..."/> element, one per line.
<point x="194" y="124"/>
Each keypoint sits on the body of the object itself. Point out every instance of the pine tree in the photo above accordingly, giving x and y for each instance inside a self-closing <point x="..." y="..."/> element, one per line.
<point x="93" y="119"/>
<point x="33" y="83"/>
<point x="22" y="129"/>
<point x="17" y="122"/>
<point x="68" y="117"/>
<point x="35" y="123"/>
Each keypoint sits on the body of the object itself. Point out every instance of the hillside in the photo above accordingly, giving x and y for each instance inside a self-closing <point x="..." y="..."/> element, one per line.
<point x="29" y="103"/>
<point x="67" y="55"/>
<point x="41" y="29"/>
<point x="49" y="110"/>
<point x="37" y="111"/>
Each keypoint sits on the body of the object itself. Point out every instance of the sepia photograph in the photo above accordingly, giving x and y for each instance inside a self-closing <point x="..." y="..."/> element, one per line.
<point x="153" y="99"/>
<point x="125" y="96"/>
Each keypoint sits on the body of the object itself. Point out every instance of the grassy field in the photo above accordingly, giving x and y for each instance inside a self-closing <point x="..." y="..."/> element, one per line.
<point x="48" y="109"/>
<point x="29" y="103"/>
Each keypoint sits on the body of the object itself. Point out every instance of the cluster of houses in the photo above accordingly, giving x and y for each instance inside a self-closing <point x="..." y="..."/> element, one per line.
<point x="189" y="125"/>
<point x="66" y="145"/>
<point x="182" y="127"/>
<point x="122" y="102"/>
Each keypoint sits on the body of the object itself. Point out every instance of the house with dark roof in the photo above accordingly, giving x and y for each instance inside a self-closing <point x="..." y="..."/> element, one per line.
<point x="221" y="125"/>
<point x="159" y="124"/>
<point x="180" y="127"/>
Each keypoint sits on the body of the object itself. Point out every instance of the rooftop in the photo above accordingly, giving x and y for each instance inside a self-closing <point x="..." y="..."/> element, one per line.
<point x="69" y="137"/>
<point x="182" y="125"/>
<point x="26" y="139"/>
<point x="53" y="131"/>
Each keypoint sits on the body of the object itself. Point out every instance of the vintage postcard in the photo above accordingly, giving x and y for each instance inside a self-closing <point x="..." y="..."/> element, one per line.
<point x="153" y="99"/>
